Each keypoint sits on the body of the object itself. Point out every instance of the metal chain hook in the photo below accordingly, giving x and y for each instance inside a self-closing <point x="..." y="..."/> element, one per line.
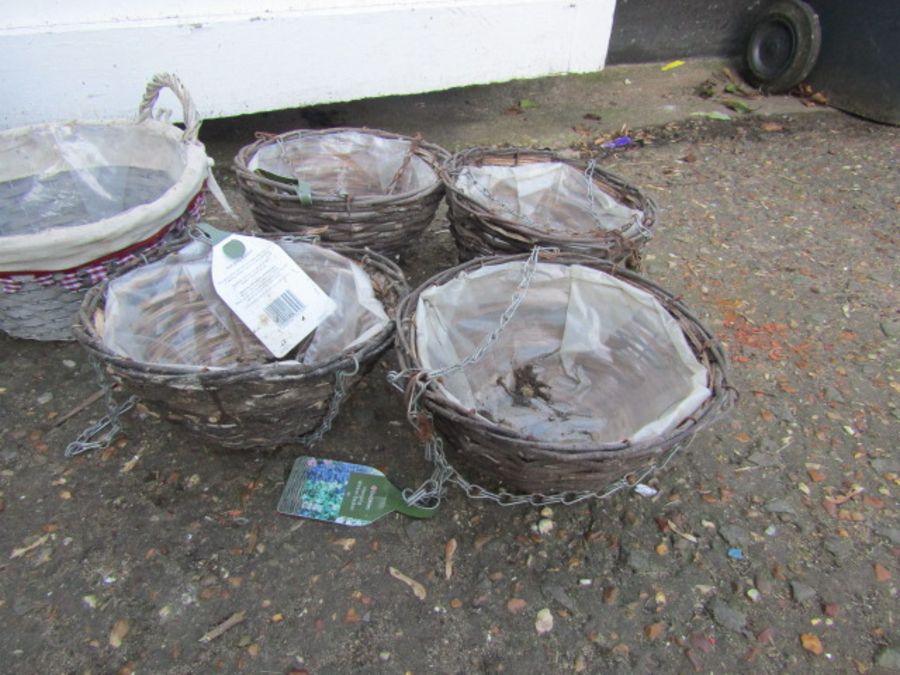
<point x="334" y="406"/>
<point x="109" y="425"/>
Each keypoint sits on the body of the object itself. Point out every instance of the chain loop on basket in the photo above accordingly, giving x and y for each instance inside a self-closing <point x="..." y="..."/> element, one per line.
<point x="109" y="425"/>
<point x="429" y="494"/>
<point x="334" y="406"/>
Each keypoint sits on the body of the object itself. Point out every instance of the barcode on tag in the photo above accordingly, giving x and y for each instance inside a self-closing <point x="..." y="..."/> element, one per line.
<point x="284" y="308"/>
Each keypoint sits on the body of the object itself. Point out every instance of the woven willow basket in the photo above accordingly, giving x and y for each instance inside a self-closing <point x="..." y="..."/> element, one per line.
<point x="500" y="456"/>
<point x="44" y="275"/>
<point x="253" y="405"/>
<point x="385" y="222"/>
<point x="480" y="231"/>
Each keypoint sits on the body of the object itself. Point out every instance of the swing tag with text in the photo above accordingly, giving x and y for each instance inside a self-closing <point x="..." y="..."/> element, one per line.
<point x="268" y="291"/>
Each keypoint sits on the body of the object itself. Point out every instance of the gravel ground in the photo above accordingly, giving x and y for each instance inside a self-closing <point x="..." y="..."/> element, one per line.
<point x="771" y="546"/>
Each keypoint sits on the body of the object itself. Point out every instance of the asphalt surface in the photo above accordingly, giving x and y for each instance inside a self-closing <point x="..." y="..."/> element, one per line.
<point x="772" y="544"/>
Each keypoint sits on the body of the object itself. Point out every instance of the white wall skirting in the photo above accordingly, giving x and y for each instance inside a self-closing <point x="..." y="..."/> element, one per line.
<point x="91" y="60"/>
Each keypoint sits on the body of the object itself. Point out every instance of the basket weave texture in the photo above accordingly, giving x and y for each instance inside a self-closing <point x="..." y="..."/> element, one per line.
<point x="253" y="405"/>
<point x="500" y="456"/>
<point x="385" y="223"/>
<point x="44" y="306"/>
<point x="479" y="231"/>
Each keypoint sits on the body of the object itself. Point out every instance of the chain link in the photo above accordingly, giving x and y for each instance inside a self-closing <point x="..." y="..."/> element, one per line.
<point x="421" y="379"/>
<point x="334" y="407"/>
<point x="430" y="493"/>
<point x="109" y="425"/>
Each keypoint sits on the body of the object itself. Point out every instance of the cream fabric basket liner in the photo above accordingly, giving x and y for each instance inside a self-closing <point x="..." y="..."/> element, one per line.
<point x="45" y="151"/>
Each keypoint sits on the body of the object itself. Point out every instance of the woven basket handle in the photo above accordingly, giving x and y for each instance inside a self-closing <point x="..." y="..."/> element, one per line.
<point x="159" y="82"/>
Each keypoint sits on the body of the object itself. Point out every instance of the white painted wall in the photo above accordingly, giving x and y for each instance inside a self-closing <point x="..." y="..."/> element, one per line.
<point x="62" y="60"/>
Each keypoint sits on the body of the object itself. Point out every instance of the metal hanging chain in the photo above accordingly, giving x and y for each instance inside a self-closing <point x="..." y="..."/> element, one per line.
<point x="422" y="378"/>
<point x="429" y="494"/>
<point x="340" y="393"/>
<point x="107" y="426"/>
<point x="487" y="194"/>
<point x="407" y="158"/>
<point x="636" y="221"/>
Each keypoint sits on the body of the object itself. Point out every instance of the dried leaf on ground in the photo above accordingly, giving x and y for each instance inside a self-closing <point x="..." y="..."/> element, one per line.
<point x="117" y="634"/>
<point x="737" y="106"/>
<point x="516" y="605"/>
<point x="417" y="588"/>
<point x="449" y="552"/>
<point x="882" y="573"/>
<point x="654" y="630"/>
<point x="811" y="643"/>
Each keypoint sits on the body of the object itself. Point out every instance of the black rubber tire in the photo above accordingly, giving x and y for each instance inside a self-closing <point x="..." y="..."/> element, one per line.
<point x="783" y="46"/>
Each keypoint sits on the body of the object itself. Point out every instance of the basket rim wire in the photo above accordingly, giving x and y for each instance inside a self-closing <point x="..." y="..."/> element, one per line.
<point x="275" y="380"/>
<point x="581" y="457"/>
<point x="480" y="223"/>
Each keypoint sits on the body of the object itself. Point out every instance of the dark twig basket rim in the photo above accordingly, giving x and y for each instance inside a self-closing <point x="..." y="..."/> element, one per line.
<point x="518" y="230"/>
<point x="704" y="344"/>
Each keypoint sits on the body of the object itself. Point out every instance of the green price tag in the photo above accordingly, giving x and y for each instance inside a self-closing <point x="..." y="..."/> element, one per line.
<point x="303" y="189"/>
<point x="343" y="493"/>
<point x="304" y="193"/>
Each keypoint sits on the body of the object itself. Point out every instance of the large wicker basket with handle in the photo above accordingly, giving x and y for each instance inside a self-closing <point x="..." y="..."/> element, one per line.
<point x="79" y="200"/>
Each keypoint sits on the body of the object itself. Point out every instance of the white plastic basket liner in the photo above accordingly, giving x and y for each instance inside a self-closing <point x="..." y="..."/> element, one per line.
<point x="358" y="317"/>
<point x="548" y="196"/>
<point x="613" y="363"/>
<point x="73" y="193"/>
<point x="346" y="163"/>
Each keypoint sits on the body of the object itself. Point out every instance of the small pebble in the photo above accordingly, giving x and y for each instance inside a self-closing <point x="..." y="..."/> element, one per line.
<point x="69" y="363"/>
<point x="45" y="398"/>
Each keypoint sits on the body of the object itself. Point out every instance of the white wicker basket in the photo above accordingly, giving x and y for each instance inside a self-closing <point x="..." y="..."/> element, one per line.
<point x="151" y="171"/>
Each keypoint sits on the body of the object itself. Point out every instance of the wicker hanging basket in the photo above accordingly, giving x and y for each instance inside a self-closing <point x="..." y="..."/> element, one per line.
<point x="251" y="402"/>
<point x="506" y="201"/>
<point x="80" y="200"/>
<point x="534" y="440"/>
<point x="355" y="187"/>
